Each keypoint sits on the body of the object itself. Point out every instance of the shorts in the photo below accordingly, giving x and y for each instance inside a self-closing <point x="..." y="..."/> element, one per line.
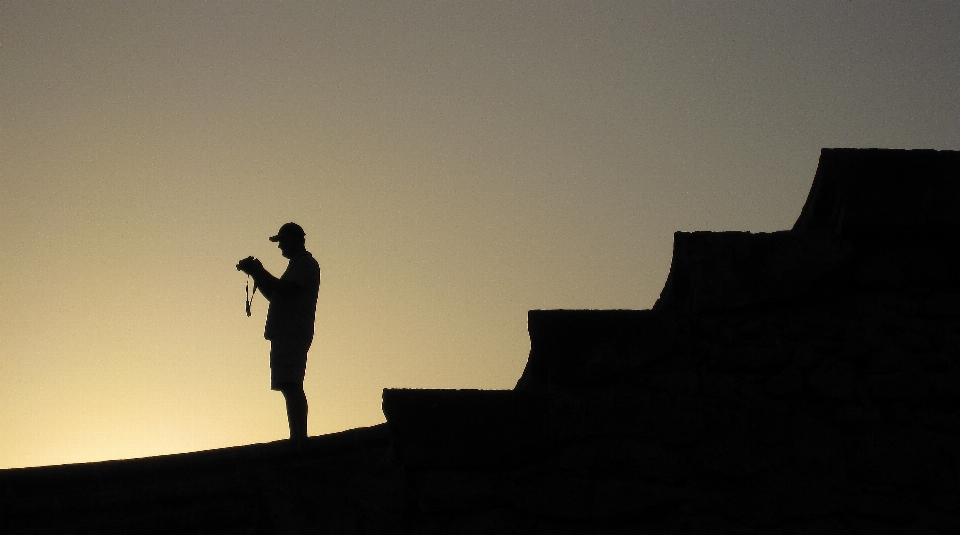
<point x="288" y="361"/>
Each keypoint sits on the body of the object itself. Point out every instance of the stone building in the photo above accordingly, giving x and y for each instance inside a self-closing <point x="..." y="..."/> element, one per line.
<point x="803" y="381"/>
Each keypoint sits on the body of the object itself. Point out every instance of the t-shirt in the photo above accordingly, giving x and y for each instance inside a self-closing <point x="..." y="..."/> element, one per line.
<point x="293" y="315"/>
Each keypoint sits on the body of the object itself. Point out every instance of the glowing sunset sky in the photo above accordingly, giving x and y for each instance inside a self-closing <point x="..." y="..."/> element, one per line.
<point x="454" y="164"/>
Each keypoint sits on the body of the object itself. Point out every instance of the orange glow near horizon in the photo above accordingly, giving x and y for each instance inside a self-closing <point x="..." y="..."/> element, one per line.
<point x="454" y="166"/>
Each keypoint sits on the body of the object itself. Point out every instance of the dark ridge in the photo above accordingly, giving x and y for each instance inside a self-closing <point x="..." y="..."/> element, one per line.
<point x="803" y="381"/>
<point x="260" y="488"/>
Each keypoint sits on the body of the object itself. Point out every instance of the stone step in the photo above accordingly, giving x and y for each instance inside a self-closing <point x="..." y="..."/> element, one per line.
<point x="867" y="193"/>
<point x="475" y="429"/>
<point x="593" y="349"/>
<point x="469" y="428"/>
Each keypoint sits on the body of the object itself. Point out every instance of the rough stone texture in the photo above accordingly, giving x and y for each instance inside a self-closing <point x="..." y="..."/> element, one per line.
<point x="785" y="383"/>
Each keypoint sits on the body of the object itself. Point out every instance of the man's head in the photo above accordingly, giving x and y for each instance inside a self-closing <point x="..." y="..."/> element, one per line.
<point x="290" y="239"/>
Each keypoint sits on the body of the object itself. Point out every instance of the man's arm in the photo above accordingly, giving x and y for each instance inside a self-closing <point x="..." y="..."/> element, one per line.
<point x="268" y="284"/>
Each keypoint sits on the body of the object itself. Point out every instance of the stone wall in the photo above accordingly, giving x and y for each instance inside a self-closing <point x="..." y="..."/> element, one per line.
<point x="804" y="381"/>
<point x="836" y="416"/>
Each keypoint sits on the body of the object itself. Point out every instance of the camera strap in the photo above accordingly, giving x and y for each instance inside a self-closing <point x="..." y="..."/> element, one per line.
<point x="249" y="296"/>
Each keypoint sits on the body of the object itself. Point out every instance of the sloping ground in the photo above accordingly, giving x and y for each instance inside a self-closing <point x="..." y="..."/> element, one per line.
<point x="341" y="483"/>
<point x="785" y="383"/>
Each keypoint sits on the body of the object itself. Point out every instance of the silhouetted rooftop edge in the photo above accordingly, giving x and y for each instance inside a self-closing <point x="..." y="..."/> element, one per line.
<point x="268" y="452"/>
<point x="856" y="190"/>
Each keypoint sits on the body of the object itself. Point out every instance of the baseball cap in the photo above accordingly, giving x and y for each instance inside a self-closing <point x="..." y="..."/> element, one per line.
<point x="289" y="230"/>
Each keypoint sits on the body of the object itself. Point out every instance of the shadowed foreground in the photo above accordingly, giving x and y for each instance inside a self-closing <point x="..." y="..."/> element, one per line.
<point x="343" y="482"/>
<point x="804" y="381"/>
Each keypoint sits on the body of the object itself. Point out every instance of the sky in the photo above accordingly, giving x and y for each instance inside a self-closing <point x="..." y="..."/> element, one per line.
<point x="454" y="165"/>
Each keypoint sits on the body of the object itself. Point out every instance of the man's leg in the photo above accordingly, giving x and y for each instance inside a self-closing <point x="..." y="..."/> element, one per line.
<point x="296" y="400"/>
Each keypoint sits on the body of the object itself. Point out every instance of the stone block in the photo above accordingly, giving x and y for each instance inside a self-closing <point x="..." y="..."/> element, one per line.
<point x="815" y="449"/>
<point x="764" y="421"/>
<point x="692" y="524"/>
<point x="946" y="423"/>
<point x="624" y="456"/>
<point x="887" y="359"/>
<point x="581" y="349"/>
<point x="441" y="429"/>
<point x="778" y="497"/>
<point x="627" y="497"/>
<point x="949" y="503"/>
<point x="723" y="270"/>
<point x="724" y="387"/>
<point x="683" y="382"/>
<point x="806" y="357"/>
<point x="908" y="384"/>
<point x="854" y="418"/>
<point x="669" y="418"/>
<point x="786" y="384"/>
<point x="885" y="509"/>
<point x="501" y="521"/>
<point x="946" y="390"/>
<point x="942" y="305"/>
<point x="734" y="457"/>
<point x="879" y="271"/>
<point x="943" y="522"/>
<point x="835" y="379"/>
<point x="452" y="491"/>
<point x="550" y="495"/>
<point x="895" y="456"/>
<point x="750" y="360"/>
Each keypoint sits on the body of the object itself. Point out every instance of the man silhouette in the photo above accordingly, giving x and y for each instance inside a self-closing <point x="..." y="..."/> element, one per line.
<point x="290" y="318"/>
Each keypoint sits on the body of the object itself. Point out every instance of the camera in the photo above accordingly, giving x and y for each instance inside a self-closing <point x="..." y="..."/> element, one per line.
<point x="245" y="263"/>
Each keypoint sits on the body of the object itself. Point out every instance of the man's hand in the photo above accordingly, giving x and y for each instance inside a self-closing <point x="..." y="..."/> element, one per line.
<point x="249" y="265"/>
